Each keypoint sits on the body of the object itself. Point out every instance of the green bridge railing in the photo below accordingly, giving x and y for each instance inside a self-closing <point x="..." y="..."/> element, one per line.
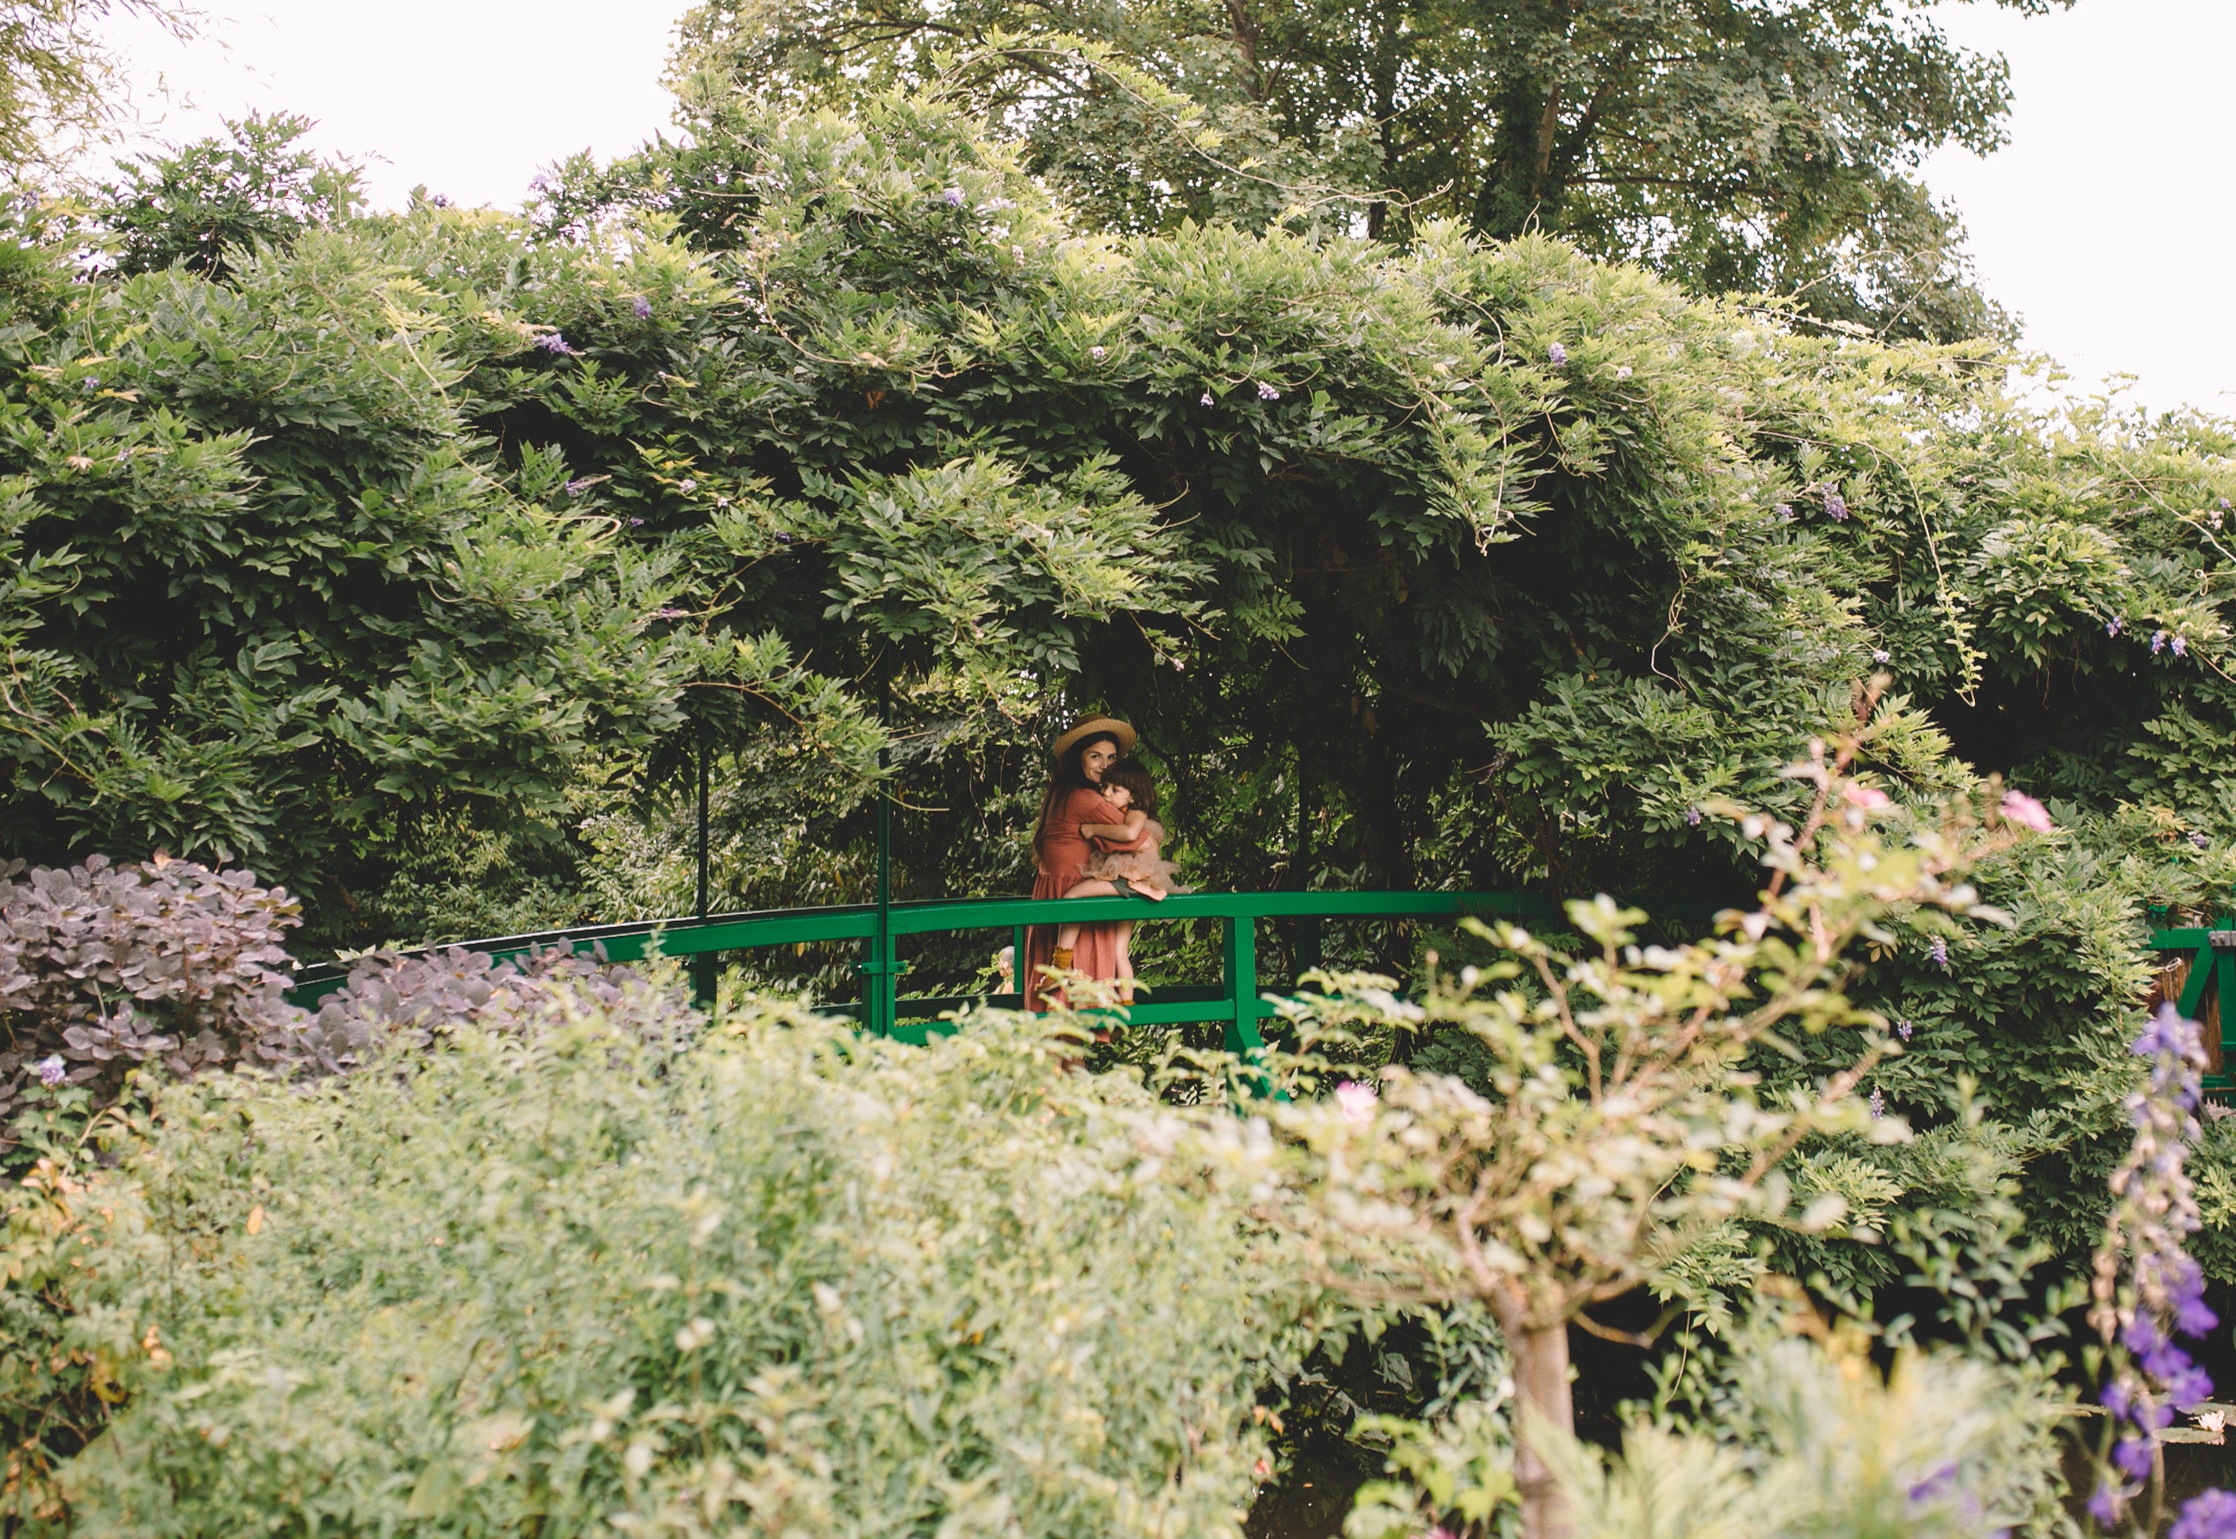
<point x="1236" y="1001"/>
<point x="2212" y="975"/>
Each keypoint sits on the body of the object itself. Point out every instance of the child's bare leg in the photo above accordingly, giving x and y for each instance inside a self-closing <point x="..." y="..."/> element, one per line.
<point x="1067" y="935"/>
<point x="1125" y="938"/>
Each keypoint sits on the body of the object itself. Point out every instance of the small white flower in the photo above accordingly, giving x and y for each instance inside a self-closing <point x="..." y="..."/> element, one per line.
<point x="51" y="1070"/>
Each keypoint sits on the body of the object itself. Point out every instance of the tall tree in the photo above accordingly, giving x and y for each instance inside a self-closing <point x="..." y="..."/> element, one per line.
<point x="1735" y="145"/>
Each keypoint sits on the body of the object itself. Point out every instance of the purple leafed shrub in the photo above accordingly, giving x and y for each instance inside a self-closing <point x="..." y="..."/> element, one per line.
<point x="412" y="1002"/>
<point x="106" y="967"/>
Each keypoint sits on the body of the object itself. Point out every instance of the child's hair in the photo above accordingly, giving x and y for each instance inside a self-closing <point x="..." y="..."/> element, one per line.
<point x="1134" y="776"/>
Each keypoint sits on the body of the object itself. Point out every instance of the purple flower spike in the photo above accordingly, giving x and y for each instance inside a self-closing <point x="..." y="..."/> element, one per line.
<point x="1881" y="655"/>
<point x="953" y="197"/>
<point x="1903" y="1029"/>
<point x="1098" y="354"/>
<point x="642" y="306"/>
<point x="2158" y="642"/>
<point x="636" y="523"/>
<point x="1557" y="356"/>
<point x="1206" y="401"/>
<point x="2114" y="626"/>
<point x="2180" y="644"/>
<point x="2207" y="1515"/>
<point x="1784" y="510"/>
<point x="1267" y="393"/>
<point x="1940" y="953"/>
<point x="1836" y="506"/>
<point x="552" y="342"/>
<point x="1692" y="817"/>
<point x="2198" y="838"/>
<point x="2104" y="1506"/>
<point x="1878" y="1110"/>
<point x="2133" y="1456"/>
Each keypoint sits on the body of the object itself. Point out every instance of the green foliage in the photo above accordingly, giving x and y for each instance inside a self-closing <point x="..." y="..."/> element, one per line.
<point x="1813" y="1438"/>
<point x="208" y="202"/>
<point x="59" y="75"/>
<point x="779" y="1279"/>
<point x="416" y="561"/>
<point x="1751" y="147"/>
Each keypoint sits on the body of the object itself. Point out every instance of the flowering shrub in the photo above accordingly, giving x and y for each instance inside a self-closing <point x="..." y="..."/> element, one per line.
<point x="787" y="1280"/>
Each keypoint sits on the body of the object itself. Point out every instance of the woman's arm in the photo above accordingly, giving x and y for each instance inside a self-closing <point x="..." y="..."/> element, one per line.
<point x="1127" y="831"/>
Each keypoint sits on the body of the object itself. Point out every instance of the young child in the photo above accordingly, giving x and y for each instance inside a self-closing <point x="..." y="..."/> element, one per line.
<point x="1133" y="866"/>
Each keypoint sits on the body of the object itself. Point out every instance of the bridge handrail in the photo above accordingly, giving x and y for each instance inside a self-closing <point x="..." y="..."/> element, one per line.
<point x="1236" y="1002"/>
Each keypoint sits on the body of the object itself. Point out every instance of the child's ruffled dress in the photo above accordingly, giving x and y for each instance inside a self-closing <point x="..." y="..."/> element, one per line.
<point x="1141" y="861"/>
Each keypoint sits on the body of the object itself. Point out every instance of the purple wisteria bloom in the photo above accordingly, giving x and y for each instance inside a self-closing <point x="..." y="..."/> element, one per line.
<point x="1881" y="655"/>
<point x="2158" y="642"/>
<point x="1878" y="1110"/>
<point x="552" y="342"/>
<point x="2180" y="644"/>
<point x="578" y="486"/>
<point x="1784" y="511"/>
<point x="1206" y="401"/>
<point x="953" y="197"/>
<point x="1267" y="393"/>
<point x="1940" y="952"/>
<point x="1098" y="354"/>
<point x="1836" y="506"/>
<point x="1557" y="356"/>
<point x="642" y="306"/>
<point x="2114" y="626"/>
<point x="2197" y="837"/>
<point x="1692" y="817"/>
<point x="1903" y="1028"/>
<point x="2207" y="1515"/>
<point x="2147" y="1289"/>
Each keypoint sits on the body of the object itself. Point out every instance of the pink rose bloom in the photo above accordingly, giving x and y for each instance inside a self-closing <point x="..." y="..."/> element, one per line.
<point x="1866" y="797"/>
<point x="2025" y="811"/>
<point x="1357" y="1102"/>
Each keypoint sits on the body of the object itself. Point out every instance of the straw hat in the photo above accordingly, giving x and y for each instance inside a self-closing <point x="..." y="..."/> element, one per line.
<point x="1093" y="725"/>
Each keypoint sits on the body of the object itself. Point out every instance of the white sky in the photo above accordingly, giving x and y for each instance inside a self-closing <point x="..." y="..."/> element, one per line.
<point x="2106" y="223"/>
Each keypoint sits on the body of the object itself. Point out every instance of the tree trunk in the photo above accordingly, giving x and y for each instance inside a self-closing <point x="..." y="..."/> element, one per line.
<point x="1542" y="1396"/>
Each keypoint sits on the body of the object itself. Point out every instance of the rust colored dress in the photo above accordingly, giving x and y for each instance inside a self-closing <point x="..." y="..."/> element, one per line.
<point x="1064" y="854"/>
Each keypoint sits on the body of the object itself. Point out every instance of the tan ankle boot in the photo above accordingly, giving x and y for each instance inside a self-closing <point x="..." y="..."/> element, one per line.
<point x="1060" y="957"/>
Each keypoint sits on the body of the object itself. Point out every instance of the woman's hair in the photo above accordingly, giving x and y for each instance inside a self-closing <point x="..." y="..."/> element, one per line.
<point x="1135" y="777"/>
<point x="1069" y="777"/>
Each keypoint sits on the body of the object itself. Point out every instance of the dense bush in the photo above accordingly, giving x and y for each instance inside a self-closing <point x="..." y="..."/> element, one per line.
<point x="785" y="1281"/>
<point x="104" y="968"/>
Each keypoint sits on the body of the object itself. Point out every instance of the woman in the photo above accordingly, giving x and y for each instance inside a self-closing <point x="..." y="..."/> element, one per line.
<point x="1061" y="851"/>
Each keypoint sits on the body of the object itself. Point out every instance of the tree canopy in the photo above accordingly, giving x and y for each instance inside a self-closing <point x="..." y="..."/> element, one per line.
<point x="1736" y="147"/>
